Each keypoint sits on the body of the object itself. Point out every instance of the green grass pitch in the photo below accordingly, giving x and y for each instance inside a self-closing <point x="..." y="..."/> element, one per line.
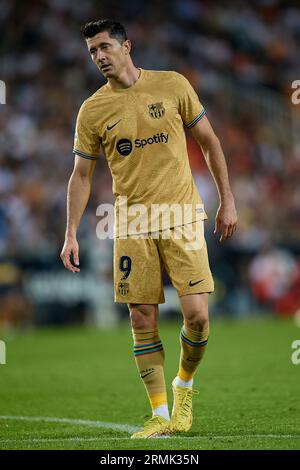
<point x="249" y="389"/>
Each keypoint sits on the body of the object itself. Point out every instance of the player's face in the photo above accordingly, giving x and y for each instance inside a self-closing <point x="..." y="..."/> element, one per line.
<point x="108" y="54"/>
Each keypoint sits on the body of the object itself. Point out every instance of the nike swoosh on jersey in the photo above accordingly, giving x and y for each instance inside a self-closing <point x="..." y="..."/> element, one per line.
<point x="109" y="128"/>
<point x="191" y="284"/>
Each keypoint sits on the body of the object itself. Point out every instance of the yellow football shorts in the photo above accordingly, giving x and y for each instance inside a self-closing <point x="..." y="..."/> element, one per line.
<point x="139" y="263"/>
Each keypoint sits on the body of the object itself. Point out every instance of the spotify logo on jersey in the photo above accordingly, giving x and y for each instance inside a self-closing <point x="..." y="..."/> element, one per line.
<point x="124" y="147"/>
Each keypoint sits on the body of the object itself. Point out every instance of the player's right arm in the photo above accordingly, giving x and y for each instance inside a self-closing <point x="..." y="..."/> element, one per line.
<point x="86" y="150"/>
<point x="79" y="189"/>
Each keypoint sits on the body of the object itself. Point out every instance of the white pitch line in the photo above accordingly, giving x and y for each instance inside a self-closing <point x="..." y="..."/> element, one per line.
<point x="83" y="422"/>
<point x="93" y="439"/>
<point x="50" y="439"/>
<point x="123" y="428"/>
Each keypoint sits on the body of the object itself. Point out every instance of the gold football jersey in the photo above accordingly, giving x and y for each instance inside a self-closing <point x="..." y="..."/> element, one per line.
<point x="141" y="132"/>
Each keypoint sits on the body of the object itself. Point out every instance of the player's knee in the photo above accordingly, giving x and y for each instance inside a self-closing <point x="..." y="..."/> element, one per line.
<point x="197" y="320"/>
<point x="142" y="317"/>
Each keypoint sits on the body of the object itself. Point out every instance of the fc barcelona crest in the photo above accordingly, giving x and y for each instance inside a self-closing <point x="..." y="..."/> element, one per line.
<point x="156" y="110"/>
<point x="123" y="288"/>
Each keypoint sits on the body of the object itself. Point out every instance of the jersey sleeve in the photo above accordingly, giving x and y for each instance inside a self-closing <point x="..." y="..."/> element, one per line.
<point x="189" y="106"/>
<point x="86" y="141"/>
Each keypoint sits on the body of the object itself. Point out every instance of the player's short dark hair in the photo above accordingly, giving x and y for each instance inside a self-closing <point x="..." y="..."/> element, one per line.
<point x="115" y="29"/>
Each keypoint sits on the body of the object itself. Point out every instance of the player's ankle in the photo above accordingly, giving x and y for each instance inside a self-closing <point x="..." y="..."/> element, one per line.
<point x="162" y="411"/>
<point x="178" y="382"/>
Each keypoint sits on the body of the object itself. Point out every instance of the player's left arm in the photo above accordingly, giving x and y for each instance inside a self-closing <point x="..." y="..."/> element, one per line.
<point x="226" y="217"/>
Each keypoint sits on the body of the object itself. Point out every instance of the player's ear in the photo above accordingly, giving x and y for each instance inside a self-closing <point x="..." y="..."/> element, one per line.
<point x="127" y="46"/>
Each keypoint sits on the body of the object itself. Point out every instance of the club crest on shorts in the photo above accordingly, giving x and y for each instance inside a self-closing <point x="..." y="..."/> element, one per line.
<point x="123" y="288"/>
<point x="156" y="110"/>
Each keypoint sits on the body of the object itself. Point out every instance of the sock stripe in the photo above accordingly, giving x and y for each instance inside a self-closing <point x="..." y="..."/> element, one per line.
<point x="146" y="345"/>
<point x="149" y="351"/>
<point x="195" y="344"/>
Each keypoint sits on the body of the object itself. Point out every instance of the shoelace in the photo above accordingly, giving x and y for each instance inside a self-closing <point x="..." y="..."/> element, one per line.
<point x="186" y="401"/>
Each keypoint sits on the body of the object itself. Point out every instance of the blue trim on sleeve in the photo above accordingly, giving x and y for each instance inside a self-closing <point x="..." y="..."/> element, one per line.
<point x="84" y="155"/>
<point x="197" y="118"/>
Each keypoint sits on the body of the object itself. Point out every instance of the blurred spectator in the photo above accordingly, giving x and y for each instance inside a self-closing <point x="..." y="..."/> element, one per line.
<point x="272" y="274"/>
<point x="234" y="55"/>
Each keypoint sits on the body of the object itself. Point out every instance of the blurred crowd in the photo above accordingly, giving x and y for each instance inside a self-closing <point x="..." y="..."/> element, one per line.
<point x="230" y="51"/>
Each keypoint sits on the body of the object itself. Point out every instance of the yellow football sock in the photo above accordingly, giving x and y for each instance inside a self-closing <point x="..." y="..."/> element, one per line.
<point x="193" y="345"/>
<point x="149" y="357"/>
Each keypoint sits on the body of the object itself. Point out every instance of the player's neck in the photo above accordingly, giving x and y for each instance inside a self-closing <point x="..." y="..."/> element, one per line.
<point x="126" y="79"/>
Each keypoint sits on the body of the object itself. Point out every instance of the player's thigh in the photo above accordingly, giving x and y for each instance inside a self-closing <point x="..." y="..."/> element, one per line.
<point x="186" y="260"/>
<point x="137" y="271"/>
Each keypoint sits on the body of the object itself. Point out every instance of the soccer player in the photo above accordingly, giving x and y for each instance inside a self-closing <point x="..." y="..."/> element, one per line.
<point x="137" y="118"/>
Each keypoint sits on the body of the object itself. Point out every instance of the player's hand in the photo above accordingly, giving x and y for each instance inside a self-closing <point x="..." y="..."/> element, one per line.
<point x="70" y="249"/>
<point x="226" y="219"/>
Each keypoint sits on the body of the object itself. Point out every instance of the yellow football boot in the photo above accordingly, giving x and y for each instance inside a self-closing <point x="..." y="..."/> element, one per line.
<point x="182" y="412"/>
<point x="155" y="427"/>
